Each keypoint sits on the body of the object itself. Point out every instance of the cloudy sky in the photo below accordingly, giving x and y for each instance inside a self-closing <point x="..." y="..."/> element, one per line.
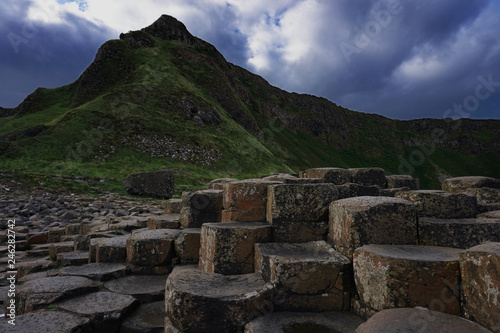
<point x="403" y="59"/>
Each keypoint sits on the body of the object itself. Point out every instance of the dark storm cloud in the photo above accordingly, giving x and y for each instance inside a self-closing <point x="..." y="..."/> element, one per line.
<point x="43" y="55"/>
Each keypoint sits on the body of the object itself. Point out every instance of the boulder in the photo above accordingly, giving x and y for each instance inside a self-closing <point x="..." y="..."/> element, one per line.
<point x="201" y="207"/>
<point x="106" y="310"/>
<point x="337" y="176"/>
<point x="411" y="320"/>
<point x="357" y="221"/>
<point x="368" y="176"/>
<point x="245" y="200"/>
<point x="399" y="276"/>
<point x="228" y="248"/>
<point x="285" y="322"/>
<point x="208" y="302"/>
<point x="460" y="233"/>
<point x="308" y="276"/>
<point x="159" y="184"/>
<point x="151" y="247"/>
<point x="398" y="181"/>
<point x="441" y="205"/>
<point x="480" y="268"/>
<point x="462" y="184"/>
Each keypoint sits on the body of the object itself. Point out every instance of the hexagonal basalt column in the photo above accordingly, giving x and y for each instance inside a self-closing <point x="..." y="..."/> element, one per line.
<point x="200" y="207"/>
<point x="228" y="248"/>
<point x="358" y="221"/>
<point x="368" y="176"/>
<point x="151" y="247"/>
<point x="398" y="276"/>
<point x="336" y="176"/>
<point x="480" y="268"/>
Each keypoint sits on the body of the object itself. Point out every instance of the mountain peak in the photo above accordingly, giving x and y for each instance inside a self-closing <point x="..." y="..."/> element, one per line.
<point x="167" y="28"/>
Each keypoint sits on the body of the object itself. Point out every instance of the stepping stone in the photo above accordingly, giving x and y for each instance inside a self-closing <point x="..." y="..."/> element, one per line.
<point x="56" y="248"/>
<point x="480" y="268"/>
<point x="219" y="303"/>
<point x="187" y="245"/>
<point x="218" y="184"/>
<point x="337" y="176"/>
<point x="368" y="176"/>
<point x="462" y="184"/>
<point x="148" y="318"/>
<point x="460" y="233"/>
<point x="104" y="309"/>
<point x="418" y="319"/>
<point x="146" y="288"/>
<point x="173" y="206"/>
<point x="39" y="275"/>
<point x="300" y="203"/>
<point x="164" y="222"/>
<point x="357" y="221"/>
<point x="396" y="276"/>
<point x="201" y="207"/>
<point x="309" y="276"/>
<point x="228" y="248"/>
<point x="398" y="181"/>
<point x="35" y="266"/>
<point x="286" y="322"/>
<point x="73" y="258"/>
<point x="38" y="237"/>
<point x="442" y="205"/>
<point x="151" y="247"/>
<point x="96" y="271"/>
<point x="40" y="293"/>
<point x="40" y="250"/>
<point x="82" y="243"/>
<point x="245" y="200"/>
<point x="299" y="232"/>
<point x="46" y="321"/>
<point x="111" y="250"/>
<point x="55" y="234"/>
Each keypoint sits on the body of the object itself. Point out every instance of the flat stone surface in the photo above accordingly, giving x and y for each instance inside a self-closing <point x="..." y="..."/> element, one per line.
<point x="411" y="320"/>
<point x="461" y="184"/>
<point x="441" y="205"/>
<point x="395" y="276"/>
<point x="146" y="288"/>
<point x="41" y="293"/>
<point x="147" y="318"/>
<point x="480" y="267"/>
<point x="96" y="271"/>
<point x="219" y="303"/>
<point x="228" y="248"/>
<point x="459" y="233"/>
<point x="151" y="247"/>
<point x="286" y="322"/>
<point x="105" y="309"/>
<point x="35" y="266"/>
<point x="357" y="221"/>
<point x="300" y="203"/>
<point x="73" y="258"/>
<point x="47" y="321"/>
<point x="299" y="272"/>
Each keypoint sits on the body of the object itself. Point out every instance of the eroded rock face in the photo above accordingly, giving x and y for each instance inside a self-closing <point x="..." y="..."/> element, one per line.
<point x="200" y="207"/>
<point x="418" y="320"/>
<point x="357" y="221"/>
<point x="442" y="205"/>
<point x="480" y="267"/>
<point x="228" y="248"/>
<point x="158" y="184"/>
<point x="308" y="277"/>
<point x="462" y="184"/>
<point x="245" y="201"/>
<point x="206" y="302"/>
<point x="398" y="276"/>
<point x="300" y="203"/>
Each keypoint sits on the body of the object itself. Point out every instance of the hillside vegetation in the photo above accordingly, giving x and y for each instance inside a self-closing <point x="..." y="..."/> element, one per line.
<point x="160" y="98"/>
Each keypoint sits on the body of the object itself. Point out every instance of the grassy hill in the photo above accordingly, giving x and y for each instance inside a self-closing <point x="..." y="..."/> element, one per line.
<point x="160" y="98"/>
